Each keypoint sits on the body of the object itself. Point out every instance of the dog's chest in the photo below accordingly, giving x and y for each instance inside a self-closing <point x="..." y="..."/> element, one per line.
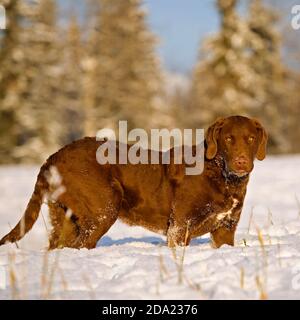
<point x="227" y="213"/>
<point x="225" y="217"/>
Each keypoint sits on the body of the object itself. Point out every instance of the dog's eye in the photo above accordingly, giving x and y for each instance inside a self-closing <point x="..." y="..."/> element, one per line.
<point x="228" y="139"/>
<point x="251" y="139"/>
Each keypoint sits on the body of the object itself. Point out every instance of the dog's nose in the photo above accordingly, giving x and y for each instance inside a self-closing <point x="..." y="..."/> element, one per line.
<point x="241" y="162"/>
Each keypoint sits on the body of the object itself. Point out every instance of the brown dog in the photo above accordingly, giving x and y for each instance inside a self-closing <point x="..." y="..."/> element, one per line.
<point x="158" y="197"/>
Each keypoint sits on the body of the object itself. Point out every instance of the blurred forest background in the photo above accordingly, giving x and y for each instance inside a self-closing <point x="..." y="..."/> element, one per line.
<point x="62" y="81"/>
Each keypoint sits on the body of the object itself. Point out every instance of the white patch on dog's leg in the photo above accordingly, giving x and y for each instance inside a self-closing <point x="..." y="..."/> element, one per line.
<point x="222" y="215"/>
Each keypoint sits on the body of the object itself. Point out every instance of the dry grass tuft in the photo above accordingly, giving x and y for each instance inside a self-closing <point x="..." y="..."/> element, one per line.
<point x="298" y="205"/>
<point x="13" y="279"/>
<point x="242" y="278"/>
<point x="261" y="288"/>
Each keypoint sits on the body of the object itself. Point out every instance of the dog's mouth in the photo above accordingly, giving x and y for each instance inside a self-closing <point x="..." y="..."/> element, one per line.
<point x="231" y="172"/>
<point x="239" y="173"/>
<point x="234" y="172"/>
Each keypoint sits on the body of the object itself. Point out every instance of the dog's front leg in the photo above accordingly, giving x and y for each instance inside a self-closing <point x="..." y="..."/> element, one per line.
<point x="178" y="234"/>
<point x="222" y="236"/>
<point x="225" y="233"/>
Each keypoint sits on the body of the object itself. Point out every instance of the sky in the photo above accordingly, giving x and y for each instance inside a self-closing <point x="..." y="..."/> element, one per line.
<point x="179" y="27"/>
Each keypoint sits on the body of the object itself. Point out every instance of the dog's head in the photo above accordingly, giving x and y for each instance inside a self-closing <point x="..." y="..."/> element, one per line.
<point x="239" y="140"/>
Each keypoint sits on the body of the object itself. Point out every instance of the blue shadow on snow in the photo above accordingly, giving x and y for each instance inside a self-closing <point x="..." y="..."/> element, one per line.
<point x="108" y="241"/>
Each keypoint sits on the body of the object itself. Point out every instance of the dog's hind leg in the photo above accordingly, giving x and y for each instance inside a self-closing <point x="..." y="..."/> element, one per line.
<point x="99" y="215"/>
<point x="93" y="227"/>
<point x="80" y="229"/>
<point x="56" y="215"/>
<point x="65" y="230"/>
<point x="91" y="216"/>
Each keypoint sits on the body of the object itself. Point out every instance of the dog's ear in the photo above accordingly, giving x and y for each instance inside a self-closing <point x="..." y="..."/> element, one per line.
<point x="212" y="137"/>
<point x="262" y="140"/>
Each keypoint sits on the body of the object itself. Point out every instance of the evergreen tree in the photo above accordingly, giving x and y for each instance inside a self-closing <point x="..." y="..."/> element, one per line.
<point x="10" y="70"/>
<point x="223" y="81"/>
<point x="122" y="78"/>
<point x="40" y="115"/>
<point x="274" y="86"/>
<point x="71" y="83"/>
<point x="241" y="72"/>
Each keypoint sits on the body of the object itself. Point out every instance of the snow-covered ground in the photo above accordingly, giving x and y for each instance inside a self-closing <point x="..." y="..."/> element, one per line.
<point x="133" y="263"/>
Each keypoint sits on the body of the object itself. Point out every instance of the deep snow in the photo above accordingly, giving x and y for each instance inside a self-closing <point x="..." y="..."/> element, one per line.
<point x="133" y="263"/>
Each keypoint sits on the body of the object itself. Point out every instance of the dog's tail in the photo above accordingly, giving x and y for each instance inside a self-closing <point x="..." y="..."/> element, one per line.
<point x="31" y="213"/>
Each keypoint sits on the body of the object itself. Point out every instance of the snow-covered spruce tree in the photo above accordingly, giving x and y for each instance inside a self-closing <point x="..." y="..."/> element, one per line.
<point x="40" y="115"/>
<point x="122" y="78"/>
<point x="10" y="70"/>
<point x="224" y="81"/>
<point x="241" y="72"/>
<point x="71" y="83"/>
<point x="294" y="113"/>
<point x="176" y="95"/>
<point x="274" y="88"/>
<point x="90" y="72"/>
<point x="291" y="49"/>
